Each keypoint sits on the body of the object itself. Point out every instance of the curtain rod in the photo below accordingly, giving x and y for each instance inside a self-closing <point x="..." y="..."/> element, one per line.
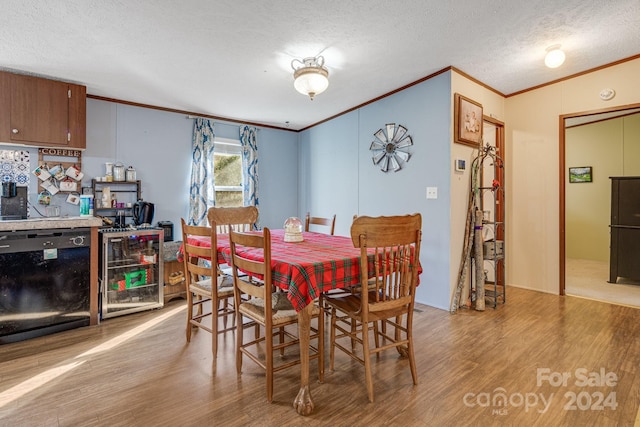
<point x="189" y="116"/>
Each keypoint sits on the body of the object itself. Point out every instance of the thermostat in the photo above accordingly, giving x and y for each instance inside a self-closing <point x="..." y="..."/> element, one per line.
<point x="461" y="165"/>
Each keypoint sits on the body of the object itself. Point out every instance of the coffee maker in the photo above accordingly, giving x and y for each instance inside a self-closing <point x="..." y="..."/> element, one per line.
<point x="142" y="212"/>
<point x="13" y="204"/>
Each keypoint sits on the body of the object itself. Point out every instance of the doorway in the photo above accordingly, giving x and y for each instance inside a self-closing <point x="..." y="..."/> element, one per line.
<point x="586" y="275"/>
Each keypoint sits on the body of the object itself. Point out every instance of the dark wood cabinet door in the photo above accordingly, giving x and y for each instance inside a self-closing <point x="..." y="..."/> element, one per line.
<point x="39" y="111"/>
<point x="42" y="112"/>
<point x="625" y="228"/>
<point x="5" y="107"/>
<point x="78" y="116"/>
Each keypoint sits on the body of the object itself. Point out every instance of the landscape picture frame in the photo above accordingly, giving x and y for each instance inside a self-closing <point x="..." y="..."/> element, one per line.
<point x="580" y="174"/>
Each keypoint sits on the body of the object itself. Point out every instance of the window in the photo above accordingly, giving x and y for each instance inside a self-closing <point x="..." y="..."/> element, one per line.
<point x="227" y="166"/>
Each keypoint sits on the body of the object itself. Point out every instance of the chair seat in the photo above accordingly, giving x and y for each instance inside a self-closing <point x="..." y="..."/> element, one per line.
<point x="203" y="287"/>
<point x="283" y="312"/>
<point x="349" y="304"/>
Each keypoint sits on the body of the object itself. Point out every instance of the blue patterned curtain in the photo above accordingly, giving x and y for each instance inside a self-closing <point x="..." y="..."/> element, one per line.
<point x="202" y="193"/>
<point x="249" y="144"/>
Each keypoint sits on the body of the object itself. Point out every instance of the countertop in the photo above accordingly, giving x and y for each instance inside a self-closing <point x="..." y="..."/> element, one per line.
<point x="44" y="223"/>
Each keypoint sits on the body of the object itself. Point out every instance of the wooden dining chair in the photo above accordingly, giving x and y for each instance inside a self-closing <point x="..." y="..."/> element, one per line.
<point x="204" y="284"/>
<point x="271" y="310"/>
<point x="316" y="220"/>
<point x="243" y="218"/>
<point x="389" y="266"/>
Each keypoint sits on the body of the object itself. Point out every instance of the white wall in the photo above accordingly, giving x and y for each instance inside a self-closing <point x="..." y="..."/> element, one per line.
<point x="493" y="106"/>
<point x="587" y="205"/>
<point x="532" y="137"/>
<point x="612" y="148"/>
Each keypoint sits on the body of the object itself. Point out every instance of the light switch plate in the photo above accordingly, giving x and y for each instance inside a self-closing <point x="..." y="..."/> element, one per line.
<point x="432" y="192"/>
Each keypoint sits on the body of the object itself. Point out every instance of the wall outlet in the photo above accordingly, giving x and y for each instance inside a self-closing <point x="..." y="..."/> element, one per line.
<point x="432" y="192"/>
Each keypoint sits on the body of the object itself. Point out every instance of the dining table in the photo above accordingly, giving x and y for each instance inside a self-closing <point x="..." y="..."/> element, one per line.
<point x="304" y="270"/>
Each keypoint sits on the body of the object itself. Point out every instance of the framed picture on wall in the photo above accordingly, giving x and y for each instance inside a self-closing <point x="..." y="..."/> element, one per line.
<point x="580" y="174"/>
<point x="467" y="121"/>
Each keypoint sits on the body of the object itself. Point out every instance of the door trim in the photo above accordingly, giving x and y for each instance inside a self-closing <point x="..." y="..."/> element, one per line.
<point x="500" y="176"/>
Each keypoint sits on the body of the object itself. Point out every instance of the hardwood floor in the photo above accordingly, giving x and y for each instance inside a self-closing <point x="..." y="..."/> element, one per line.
<point x="137" y="370"/>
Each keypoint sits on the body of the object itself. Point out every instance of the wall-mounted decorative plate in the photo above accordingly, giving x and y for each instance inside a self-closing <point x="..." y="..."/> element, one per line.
<point x="389" y="149"/>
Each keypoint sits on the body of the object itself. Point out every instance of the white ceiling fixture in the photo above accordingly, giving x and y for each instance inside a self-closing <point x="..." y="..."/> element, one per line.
<point x="310" y="76"/>
<point x="554" y="57"/>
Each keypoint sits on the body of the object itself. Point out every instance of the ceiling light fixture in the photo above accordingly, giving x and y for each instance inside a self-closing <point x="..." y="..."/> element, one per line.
<point x="554" y="57"/>
<point x="310" y="76"/>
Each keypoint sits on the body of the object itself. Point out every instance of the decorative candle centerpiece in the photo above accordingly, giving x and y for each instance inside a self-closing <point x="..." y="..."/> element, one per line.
<point x="293" y="230"/>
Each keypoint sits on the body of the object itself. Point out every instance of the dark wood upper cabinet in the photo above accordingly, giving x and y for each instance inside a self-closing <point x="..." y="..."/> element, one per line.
<point x="42" y="112"/>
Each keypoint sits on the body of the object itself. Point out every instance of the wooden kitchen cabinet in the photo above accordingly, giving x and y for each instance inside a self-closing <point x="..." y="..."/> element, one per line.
<point x="42" y="112"/>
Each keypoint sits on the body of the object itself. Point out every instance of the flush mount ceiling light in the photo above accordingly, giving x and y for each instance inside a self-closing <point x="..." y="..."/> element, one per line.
<point x="554" y="57"/>
<point x="310" y="76"/>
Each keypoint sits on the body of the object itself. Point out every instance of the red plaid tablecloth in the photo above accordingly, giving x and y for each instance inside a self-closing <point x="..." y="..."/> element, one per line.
<point x="304" y="269"/>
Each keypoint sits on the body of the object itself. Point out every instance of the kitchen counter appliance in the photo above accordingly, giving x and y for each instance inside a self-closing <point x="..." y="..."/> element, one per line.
<point x="44" y="282"/>
<point x="13" y="204"/>
<point x="142" y="212"/>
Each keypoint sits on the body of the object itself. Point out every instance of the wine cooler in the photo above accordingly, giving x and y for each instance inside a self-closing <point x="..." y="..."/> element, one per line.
<point x="130" y="274"/>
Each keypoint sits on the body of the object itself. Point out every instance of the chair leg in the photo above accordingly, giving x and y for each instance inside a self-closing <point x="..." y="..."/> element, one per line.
<point x="353" y="332"/>
<point x="412" y="361"/>
<point x="412" y="358"/>
<point x="239" y="334"/>
<point x="332" y="339"/>
<point x="199" y="306"/>
<point x="189" y="314"/>
<point x="321" y="342"/>
<point x="214" y="326"/>
<point x="402" y="350"/>
<point x="281" y="340"/>
<point x="269" y="364"/>
<point x="367" y="361"/>
<point x="233" y="316"/>
<point x="222" y="308"/>
<point x="376" y="337"/>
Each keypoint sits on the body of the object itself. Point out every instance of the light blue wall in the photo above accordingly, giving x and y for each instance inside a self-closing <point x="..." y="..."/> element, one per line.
<point x="329" y="177"/>
<point x="337" y="174"/>
<point x="278" y="171"/>
<point x="158" y="145"/>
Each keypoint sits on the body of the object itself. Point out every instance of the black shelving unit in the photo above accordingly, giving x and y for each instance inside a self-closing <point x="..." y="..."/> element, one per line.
<point x="125" y="191"/>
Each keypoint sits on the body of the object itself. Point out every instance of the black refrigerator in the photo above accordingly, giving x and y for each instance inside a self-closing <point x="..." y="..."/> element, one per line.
<point x="625" y="228"/>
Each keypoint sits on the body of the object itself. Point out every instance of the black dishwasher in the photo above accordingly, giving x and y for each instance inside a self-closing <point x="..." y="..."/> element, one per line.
<point x="44" y="282"/>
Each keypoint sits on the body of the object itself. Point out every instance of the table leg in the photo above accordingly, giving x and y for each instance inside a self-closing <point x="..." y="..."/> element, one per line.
<point x="303" y="402"/>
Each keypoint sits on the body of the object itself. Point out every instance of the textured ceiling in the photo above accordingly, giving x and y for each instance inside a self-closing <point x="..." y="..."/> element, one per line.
<point x="231" y="58"/>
